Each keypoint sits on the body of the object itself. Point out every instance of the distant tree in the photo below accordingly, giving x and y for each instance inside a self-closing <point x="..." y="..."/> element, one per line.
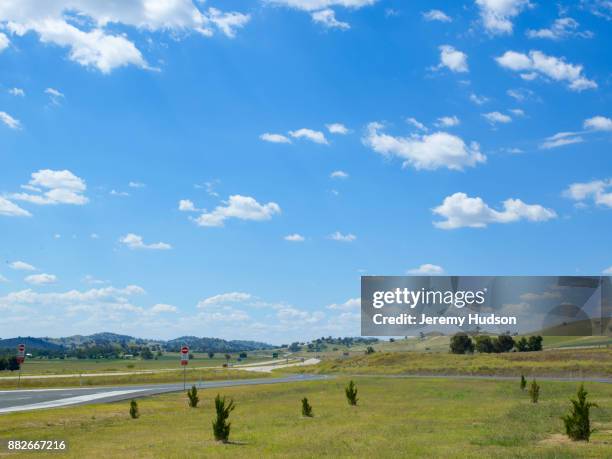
<point x="522" y="345"/>
<point x="190" y="356"/>
<point x="146" y="353"/>
<point x="461" y="344"/>
<point x="535" y="343"/>
<point x="523" y="382"/>
<point x="534" y="391"/>
<point x="351" y="393"/>
<point x="12" y="363"/>
<point x="577" y="423"/>
<point x="306" y="408"/>
<point x="3" y="364"/>
<point x="503" y="343"/>
<point x="134" y="414"/>
<point x="221" y="428"/>
<point x="421" y="335"/>
<point x="295" y="347"/>
<point x="192" y="396"/>
<point x="370" y="350"/>
<point x="228" y="357"/>
<point x="275" y="355"/>
<point x="243" y="355"/>
<point x="211" y="355"/>
<point x="392" y="340"/>
<point x="484" y="344"/>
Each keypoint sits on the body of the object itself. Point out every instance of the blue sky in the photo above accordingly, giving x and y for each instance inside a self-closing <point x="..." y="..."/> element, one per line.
<point x="232" y="168"/>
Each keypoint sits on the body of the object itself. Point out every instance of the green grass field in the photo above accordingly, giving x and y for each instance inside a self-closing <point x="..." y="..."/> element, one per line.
<point x="396" y="417"/>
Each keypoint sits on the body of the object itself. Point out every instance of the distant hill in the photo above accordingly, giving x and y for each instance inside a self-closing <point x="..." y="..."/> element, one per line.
<point x="110" y="340"/>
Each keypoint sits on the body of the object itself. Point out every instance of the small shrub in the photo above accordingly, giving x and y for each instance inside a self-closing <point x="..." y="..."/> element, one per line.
<point x="130" y="365"/>
<point x="523" y="382"/>
<point x="221" y="428"/>
<point x="370" y="350"/>
<point x="534" y="391"/>
<point x="192" y="395"/>
<point x="351" y="393"/>
<point x="461" y="344"/>
<point x="577" y="423"/>
<point x="134" y="413"/>
<point x="306" y="408"/>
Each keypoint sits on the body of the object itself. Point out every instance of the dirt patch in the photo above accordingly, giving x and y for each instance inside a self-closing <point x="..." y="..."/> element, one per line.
<point x="560" y="440"/>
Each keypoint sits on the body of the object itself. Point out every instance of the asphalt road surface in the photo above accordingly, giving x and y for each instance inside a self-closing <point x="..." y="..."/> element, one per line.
<point x="35" y="399"/>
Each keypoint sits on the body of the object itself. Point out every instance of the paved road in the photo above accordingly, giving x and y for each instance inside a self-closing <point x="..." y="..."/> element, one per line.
<point x="35" y="399"/>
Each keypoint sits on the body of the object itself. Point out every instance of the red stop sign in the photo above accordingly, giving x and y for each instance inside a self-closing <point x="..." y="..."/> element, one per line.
<point x="184" y="350"/>
<point x="21" y="348"/>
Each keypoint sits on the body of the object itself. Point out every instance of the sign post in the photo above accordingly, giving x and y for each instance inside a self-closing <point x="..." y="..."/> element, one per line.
<point x="20" y="360"/>
<point x="184" y="362"/>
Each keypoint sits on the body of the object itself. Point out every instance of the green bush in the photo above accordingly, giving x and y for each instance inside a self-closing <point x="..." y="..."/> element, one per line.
<point x="523" y="382"/>
<point x="534" y="391"/>
<point x="134" y="413"/>
<point x="577" y="423"/>
<point x="192" y="396"/>
<point x="351" y="393"/>
<point x="306" y="408"/>
<point x="370" y="350"/>
<point x="461" y="344"/>
<point x="221" y="428"/>
<point x="484" y="344"/>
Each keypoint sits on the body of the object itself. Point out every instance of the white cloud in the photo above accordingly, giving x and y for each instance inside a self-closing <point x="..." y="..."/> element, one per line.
<point x="4" y="42"/>
<point x="460" y="210"/>
<point x="162" y="308"/>
<point x="295" y="237"/>
<point x="337" y="128"/>
<point x="608" y="271"/>
<point x="338" y="236"/>
<point x="274" y="138"/>
<point x="136" y="185"/>
<point x="427" y="270"/>
<point x="240" y="207"/>
<point x="538" y="63"/>
<point x="598" y="123"/>
<point x="41" y="279"/>
<point x="436" y="15"/>
<point x="16" y="92"/>
<point x="185" y="205"/>
<point x="497" y="117"/>
<point x="314" y="136"/>
<point x="348" y="305"/>
<point x="562" y="28"/>
<point x="89" y="38"/>
<point x="414" y="122"/>
<point x="225" y="298"/>
<point x="119" y="193"/>
<point x="432" y="151"/>
<point x="452" y="59"/>
<point x="497" y="15"/>
<point x="292" y="315"/>
<point x="3" y="280"/>
<point x="134" y="241"/>
<point x="54" y="95"/>
<point x="478" y="100"/>
<point x="339" y="175"/>
<point x="561" y="139"/>
<point x="91" y="280"/>
<point x="9" y="209"/>
<point x="327" y="18"/>
<point x="448" y="121"/>
<point x="517" y="112"/>
<point x="520" y="94"/>
<point x="9" y="121"/>
<point x="599" y="191"/>
<point x="21" y="266"/>
<point x="62" y="187"/>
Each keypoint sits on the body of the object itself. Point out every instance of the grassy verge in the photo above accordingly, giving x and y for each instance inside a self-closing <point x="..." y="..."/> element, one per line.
<point x="567" y="363"/>
<point x="151" y="378"/>
<point x="394" y="418"/>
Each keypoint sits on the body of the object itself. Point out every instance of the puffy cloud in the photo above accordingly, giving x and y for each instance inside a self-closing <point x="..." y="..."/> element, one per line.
<point x="185" y="205"/>
<point x="3" y="280"/>
<point x="314" y="5"/>
<point x="293" y="315"/>
<point x="520" y="94"/>
<point x="561" y="139"/>
<point x="16" y="92"/>
<point x="417" y="124"/>
<point x="52" y="187"/>
<point x="240" y="207"/>
<point x="225" y="298"/>
<point x="517" y="112"/>
<point x="338" y="236"/>
<point x="460" y="210"/>
<point x="497" y="117"/>
<point x="562" y="28"/>
<point x="89" y="40"/>
<point x="4" y="42"/>
<point x="54" y="95"/>
<point x="314" y="136"/>
<point x="448" y="121"/>
<point x="599" y="191"/>
<point x="134" y="241"/>
<point x="162" y="308"/>
<point x="119" y="193"/>
<point x="478" y="100"/>
<point x="608" y="271"/>
<point x="538" y="63"/>
<point x="295" y="237"/>
<point x="9" y="121"/>
<point x="436" y="15"/>
<point x="452" y="59"/>
<point x="327" y="18"/>
<point x="136" y="185"/>
<point x="497" y="15"/>
<point x="430" y="151"/>
<point x="598" y="123"/>
<point x="339" y="175"/>
<point x="9" y="209"/>
<point x="274" y="138"/>
<point x="348" y="305"/>
<point x="427" y="270"/>
<point x="337" y="128"/>
<point x="41" y="279"/>
<point x="21" y="266"/>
